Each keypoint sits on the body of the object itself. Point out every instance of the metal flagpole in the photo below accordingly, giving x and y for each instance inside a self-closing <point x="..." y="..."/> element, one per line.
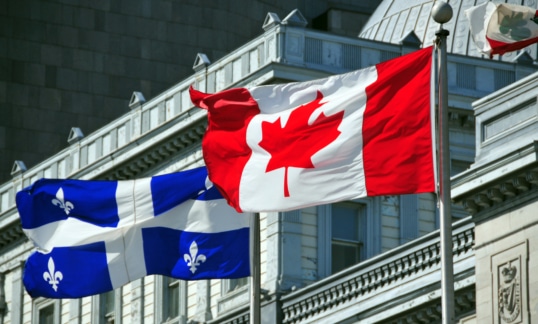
<point x="255" y="290"/>
<point x="442" y="13"/>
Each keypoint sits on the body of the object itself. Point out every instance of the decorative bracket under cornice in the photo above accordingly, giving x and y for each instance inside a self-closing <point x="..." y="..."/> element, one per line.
<point x="11" y="234"/>
<point x="504" y="191"/>
<point x="159" y="153"/>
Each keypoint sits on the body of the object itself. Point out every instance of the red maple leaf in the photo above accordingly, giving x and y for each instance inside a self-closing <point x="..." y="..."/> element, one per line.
<point x="294" y="144"/>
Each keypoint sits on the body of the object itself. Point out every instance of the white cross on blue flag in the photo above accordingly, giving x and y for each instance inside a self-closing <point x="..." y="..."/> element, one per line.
<point x="95" y="236"/>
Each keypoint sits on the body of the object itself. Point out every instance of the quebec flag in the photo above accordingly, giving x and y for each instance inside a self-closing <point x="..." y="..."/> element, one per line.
<point x="95" y="236"/>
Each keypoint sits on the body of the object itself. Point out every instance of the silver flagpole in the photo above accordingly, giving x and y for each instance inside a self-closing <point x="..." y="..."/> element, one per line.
<point x="442" y="13"/>
<point x="255" y="291"/>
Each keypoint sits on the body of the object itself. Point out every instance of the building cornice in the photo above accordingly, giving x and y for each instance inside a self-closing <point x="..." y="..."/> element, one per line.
<point x="503" y="182"/>
<point x="151" y="151"/>
<point x="10" y="235"/>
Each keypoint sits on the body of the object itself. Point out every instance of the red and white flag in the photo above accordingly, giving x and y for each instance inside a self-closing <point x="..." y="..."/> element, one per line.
<point x="289" y="146"/>
<point x="498" y="28"/>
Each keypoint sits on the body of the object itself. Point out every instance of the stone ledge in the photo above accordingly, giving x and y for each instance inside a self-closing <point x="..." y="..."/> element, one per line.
<point x="502" y="182"/>
<point x="415" y="259"/>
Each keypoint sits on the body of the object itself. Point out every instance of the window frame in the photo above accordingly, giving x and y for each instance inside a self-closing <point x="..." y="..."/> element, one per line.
<point x="231" y="298"/>
<point x="162" y="284"/>
<point x="231" y="285"/>
<point x="99" y="308"/>
<point x="40" y="304"/>
<point x="171" y="286"/>
<point x="371" y="240"/>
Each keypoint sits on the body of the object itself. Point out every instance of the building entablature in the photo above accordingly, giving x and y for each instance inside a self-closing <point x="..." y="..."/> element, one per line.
<point x="495" y="186"/>
<point x="505" y="171"/>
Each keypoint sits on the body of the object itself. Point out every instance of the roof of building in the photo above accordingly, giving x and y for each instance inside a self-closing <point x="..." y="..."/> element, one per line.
<point x="394" y="20"/>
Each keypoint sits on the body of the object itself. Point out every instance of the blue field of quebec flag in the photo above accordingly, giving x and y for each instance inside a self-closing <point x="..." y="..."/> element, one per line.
<point x="95" y="236"/>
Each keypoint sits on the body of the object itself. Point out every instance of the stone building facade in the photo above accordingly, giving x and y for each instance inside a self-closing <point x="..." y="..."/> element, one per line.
<point x="499" y="191"/>
<point x="394" y="276"/>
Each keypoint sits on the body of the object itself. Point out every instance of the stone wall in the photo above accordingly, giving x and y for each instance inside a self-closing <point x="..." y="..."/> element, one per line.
<point x="67" y="64"/>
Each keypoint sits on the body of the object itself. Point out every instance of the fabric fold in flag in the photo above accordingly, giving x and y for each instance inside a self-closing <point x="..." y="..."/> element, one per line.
<point x="95" y="236"/>
<point x="498" y="28"/>
<point x="288" y="146"/>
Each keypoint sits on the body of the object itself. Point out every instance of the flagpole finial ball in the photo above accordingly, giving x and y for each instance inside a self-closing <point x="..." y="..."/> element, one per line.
<point x="441" y="12"/>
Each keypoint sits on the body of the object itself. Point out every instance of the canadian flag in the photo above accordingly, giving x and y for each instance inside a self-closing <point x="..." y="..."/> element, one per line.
<point x="288" y="146"/>
<point x="498" y="28"/>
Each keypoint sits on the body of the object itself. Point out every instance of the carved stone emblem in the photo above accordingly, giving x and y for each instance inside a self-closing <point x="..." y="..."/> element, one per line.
<point x="509" y="293"/>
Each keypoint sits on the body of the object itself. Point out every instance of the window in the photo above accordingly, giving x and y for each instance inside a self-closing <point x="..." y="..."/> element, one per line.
<point x="348" y="233"/>
<point x="109" y="303"/>
<point x="235" y="293"/>
<point x="107" y="307"/>
<point x="234" y="284"/>
<point x="46" y="311"/>
<point x="346" y="238"/>
<point x="46" y="315"/>
<point x="171" y="301"/>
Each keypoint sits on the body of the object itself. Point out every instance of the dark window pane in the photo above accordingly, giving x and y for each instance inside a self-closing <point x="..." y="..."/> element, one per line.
<point x="237" y="283"/>
<point x="344" y="255"/>
<point x="345" y="222"/>
<point x="110" y="302"/>
<point x="346" y="238"/>
<point x="172" y="298"/>
<point x="46" y="315"/>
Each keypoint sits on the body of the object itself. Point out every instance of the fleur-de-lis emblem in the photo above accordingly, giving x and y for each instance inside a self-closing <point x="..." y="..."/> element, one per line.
<point x="67" y="206"/>
<point x="53" y="277"/>
<point x="194" y="259"/>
